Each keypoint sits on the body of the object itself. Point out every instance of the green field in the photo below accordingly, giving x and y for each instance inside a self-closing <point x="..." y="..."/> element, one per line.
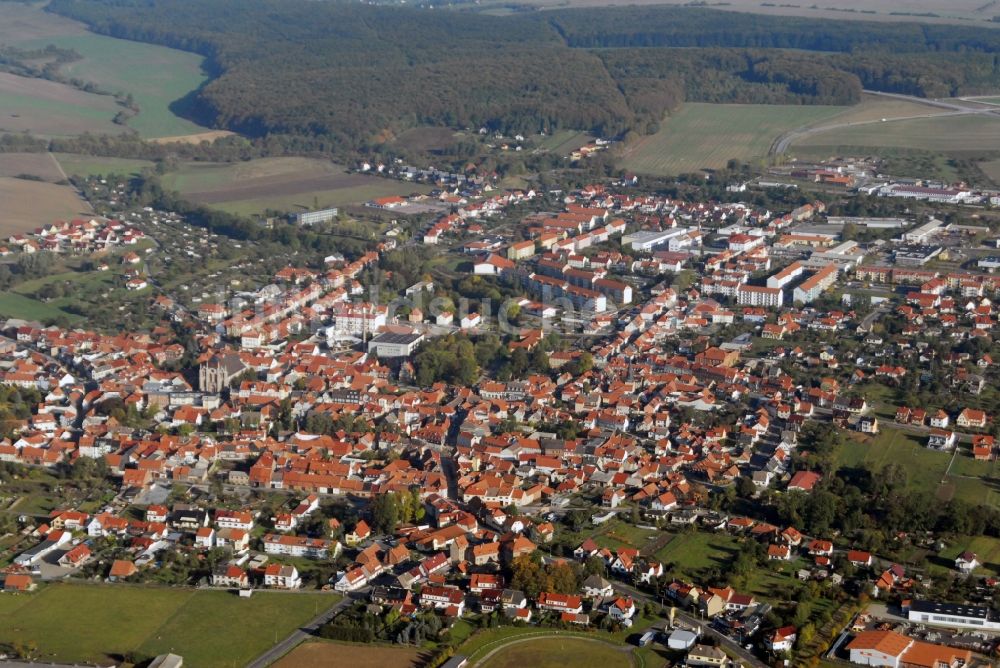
<point x="942" y="133"/>
<point x="967" y="479"/>
<point x="88" y="165"/>
<point x="706" y="136"/>
<point x="693" y="552"/>
<point x="155" y="76"/>
<point x="559" y="652"/>
<point x="84" y="623"/>
<point x="987" y="550"/>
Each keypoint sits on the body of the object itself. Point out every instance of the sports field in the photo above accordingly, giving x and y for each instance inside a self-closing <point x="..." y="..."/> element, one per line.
<point x="155" y="76"/>
<point x="706" y="136"/>
<point x="90" y="624"/>
<point x="25" y="205"/>
<point x="323" y="654"/>
<point x="281" y="184"/>
<point x="557" y="653"/>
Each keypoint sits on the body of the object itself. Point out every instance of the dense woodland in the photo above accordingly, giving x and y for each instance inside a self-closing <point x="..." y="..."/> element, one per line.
<point x="354" y="75"/>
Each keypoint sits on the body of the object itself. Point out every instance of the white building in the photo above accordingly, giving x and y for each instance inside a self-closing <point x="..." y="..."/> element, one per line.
<point x="755" y="295"/>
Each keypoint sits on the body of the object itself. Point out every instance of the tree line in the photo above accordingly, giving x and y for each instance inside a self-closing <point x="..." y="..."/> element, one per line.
<point x="327" y="75"/>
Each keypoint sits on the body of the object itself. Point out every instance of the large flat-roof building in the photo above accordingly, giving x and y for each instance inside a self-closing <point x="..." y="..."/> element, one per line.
<point x="316" y="217"/>
<point x="647" y="240"/>
<point x="395" y="344"/>
<point x="954" y="615"/>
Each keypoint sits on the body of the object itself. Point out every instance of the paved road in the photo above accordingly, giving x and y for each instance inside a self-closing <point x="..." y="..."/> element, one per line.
<point x="782" y="143"/>
<point x="693" y="621"/>
<point x="300" y="634"/>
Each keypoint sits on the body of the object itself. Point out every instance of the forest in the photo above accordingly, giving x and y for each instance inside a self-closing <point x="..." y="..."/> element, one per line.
<point x="356" y="76"/>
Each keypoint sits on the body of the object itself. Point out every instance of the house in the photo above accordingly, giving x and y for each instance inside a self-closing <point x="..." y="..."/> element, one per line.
<point x="706" y="655"/>
<point x="778" y="553"/>
<point x="622" y="609"/>
<point x="230" y="575"/>
<point x="966" y="562"/>
<point x="940" y="420"/>
<point x="971" y="418"/>
<point x="18" y="582"/>
<point x="360" y="534"/>
<point x="941" y="439"/>
<point x="121" y="569"/>
<point x="888" y="648"/>
<point x="559" y="602"/>
<point x="782" y="639"/>
<point x="597" y="587"/>
<point x="859" y="558"/>
<point x="803" y="481"/>
<point x="282" y="576"/>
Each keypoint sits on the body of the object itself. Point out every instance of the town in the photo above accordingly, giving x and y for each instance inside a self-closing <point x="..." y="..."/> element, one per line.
<point x="719" y="432"/>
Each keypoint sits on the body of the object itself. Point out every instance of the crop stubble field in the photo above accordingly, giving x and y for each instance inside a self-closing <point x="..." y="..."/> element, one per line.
<point x="323" y="654"/>
<point x="942" y="133"/>
<point x="284" y="184"/>
<point x="29" y="204"/>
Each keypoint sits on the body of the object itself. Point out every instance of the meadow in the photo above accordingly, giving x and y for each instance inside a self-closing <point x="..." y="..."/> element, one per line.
<point x="943" y="133"/>
<point x="92" y="623"/>
<point x="89" y="165"/>
<point x="155" y="76"/>
<point x="279" y="184"/>
<point x="707" y="136"/>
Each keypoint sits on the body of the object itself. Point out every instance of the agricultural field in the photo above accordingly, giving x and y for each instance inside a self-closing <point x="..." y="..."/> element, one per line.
<point x="25" y="205"/>
<point x="51" y="109"/>
<point x="559" y="652"/>
<point x="961" y="12"/>
<point x="37" y="165"/>
<point x="90" y="165"/>
<point x="322" y="654"/>
<point x="146" y="621"/>
<point x="706" y="136"/>
<point x="156" y="76"/>
<point x="281" y="184"/>
<point x="943" y="133"/>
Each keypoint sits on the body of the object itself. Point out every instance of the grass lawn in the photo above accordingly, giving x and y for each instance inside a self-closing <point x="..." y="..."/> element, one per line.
<point x="706" y="136"/>
<point x="694" y="552"/>
<point x="987" y="550"/>
<point x="559" y="652"/>
<point x="925" y="469"/>
<point x="85" y="623"/>
<point x="13" y="305"/>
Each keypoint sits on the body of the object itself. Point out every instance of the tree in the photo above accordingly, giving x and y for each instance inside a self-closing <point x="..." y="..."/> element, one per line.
<point x="385" y="513"/>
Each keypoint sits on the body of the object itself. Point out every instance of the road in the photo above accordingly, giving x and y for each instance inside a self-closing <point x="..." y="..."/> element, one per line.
<point x="785" y="140"/>
<point x="693" y="621"/>
<point x="301" y="634"/>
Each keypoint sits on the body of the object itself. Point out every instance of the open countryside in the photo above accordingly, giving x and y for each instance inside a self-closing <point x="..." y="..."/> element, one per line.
<point x="156" y="76"/>
<point x="30" y="204"/>
<point x="284" y="184"/>
<point x="706" y="136"/>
